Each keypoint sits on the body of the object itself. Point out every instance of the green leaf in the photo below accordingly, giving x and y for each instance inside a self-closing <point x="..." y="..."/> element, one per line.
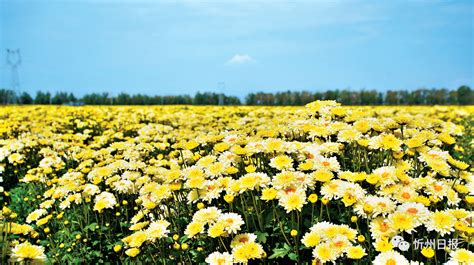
<point x="183" y="239"/>
<point x="262" y="237"/>
<point x="293" y="256"/>
<point x="279" y="253"/>
<point x="91" y="227"/>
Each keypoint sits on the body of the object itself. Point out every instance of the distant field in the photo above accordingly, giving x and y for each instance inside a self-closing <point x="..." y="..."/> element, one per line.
<point x="222" y="185"/>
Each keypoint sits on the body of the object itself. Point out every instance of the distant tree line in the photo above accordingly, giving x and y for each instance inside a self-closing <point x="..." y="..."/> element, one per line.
<point x="62" y="98"/>
<point x="461" y="96"/>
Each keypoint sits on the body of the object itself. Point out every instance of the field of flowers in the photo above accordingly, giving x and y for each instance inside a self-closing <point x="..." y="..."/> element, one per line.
<point x="223" y="185"/>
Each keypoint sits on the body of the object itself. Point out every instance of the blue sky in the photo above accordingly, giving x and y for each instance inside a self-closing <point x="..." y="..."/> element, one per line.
<point x="181" y="47"/>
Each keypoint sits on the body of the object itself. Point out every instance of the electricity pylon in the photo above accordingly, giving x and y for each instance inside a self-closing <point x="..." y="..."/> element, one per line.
<point x="221" y="88"/>
<point x="14" y="61"/>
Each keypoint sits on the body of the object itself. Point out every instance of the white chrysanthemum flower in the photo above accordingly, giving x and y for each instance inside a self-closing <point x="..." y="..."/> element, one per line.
<point x="104" y="200"/>
<point x="461" y="256"/>
<point x="27" y="252"/>
<point x="242" y="239"/>
<point x="251" y="181"/>
<point x="232" y="222"/>
<point x="379" y="205"/>
<point x="35" y="215"/>
<point x="417" y="210"/>
<point x="228" y="157"/>
<point x="157" y="229"/>
<point x="212" y="190"/>
<point x="91" y="189"/>
<point x="387" y="175"/>
<point x="217" y="258"/>
<point x="325" y="253"/>
<point x="441" y="222"/>
<point x="327" y="163"/>
<point x="333" y="189"/>
<point x="453" y="197"/>
<point x="282" y="162"/>
<point x="390" y="257"/>
<point x="292" y="201"/>
<point x="123" y="186"/>
<point x="207" y="215"/>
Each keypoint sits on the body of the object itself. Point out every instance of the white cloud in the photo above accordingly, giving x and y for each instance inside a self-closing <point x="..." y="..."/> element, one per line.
<point x="241" y="59"/>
